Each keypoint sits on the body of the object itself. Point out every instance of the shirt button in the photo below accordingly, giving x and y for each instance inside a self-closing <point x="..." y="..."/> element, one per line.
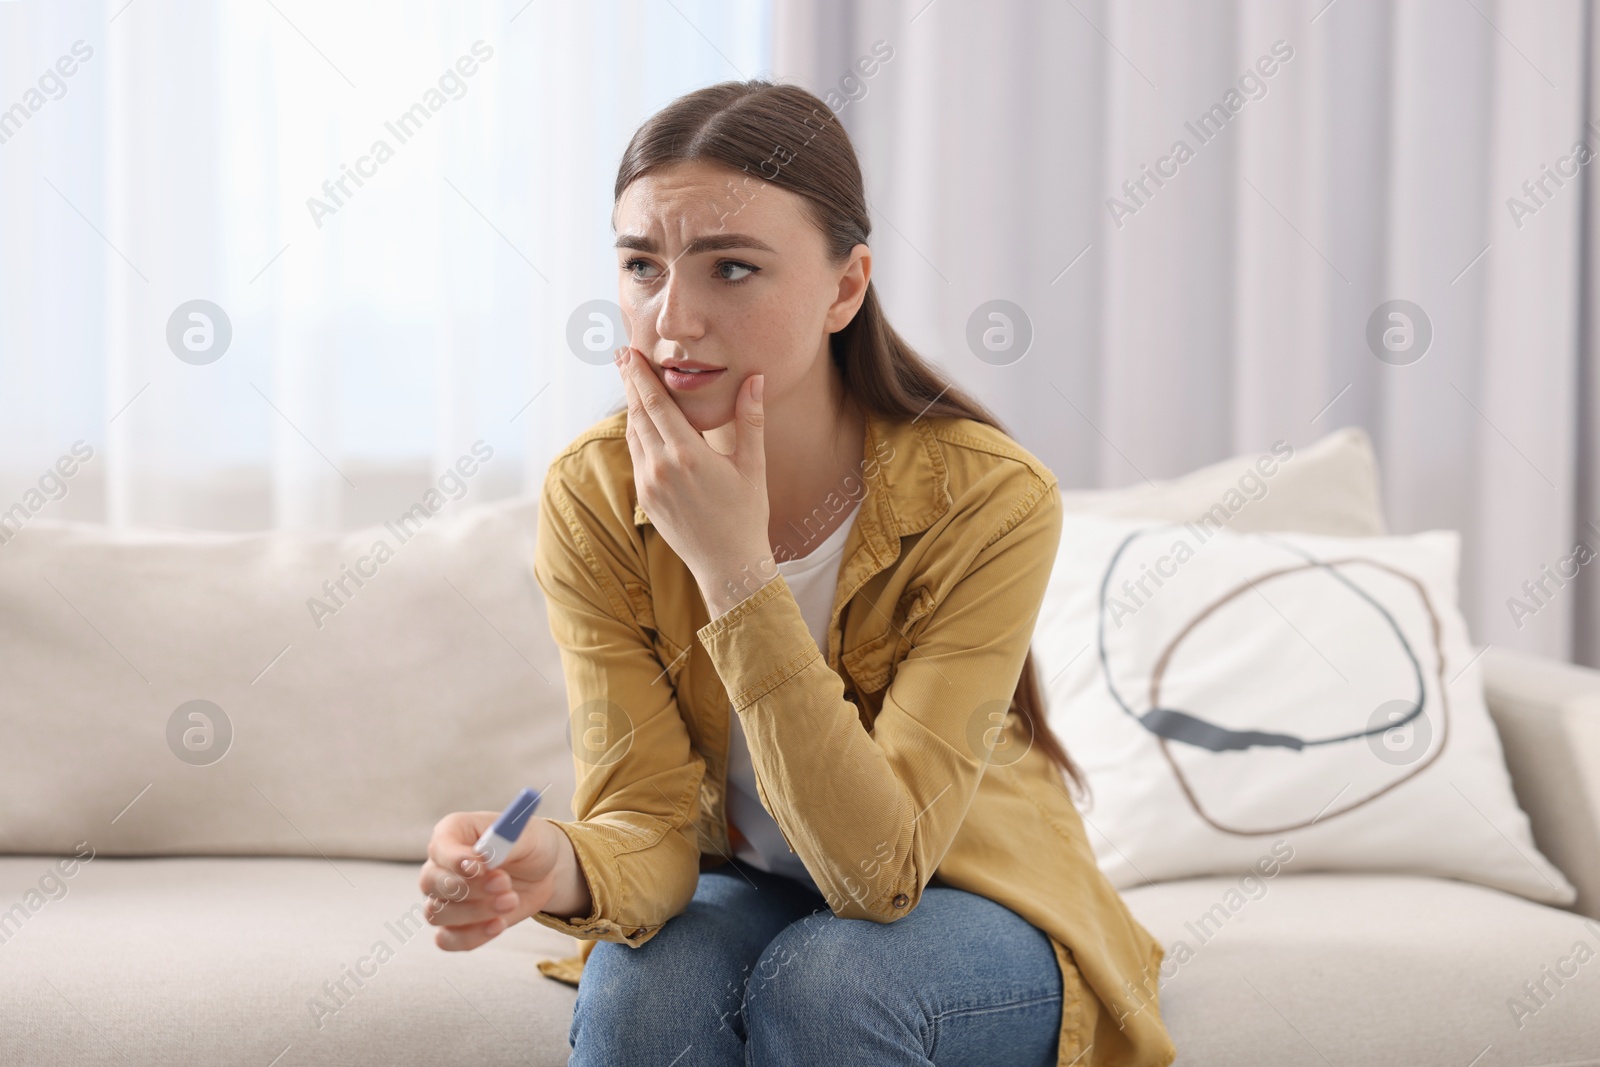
<point x="637" y="933"/>
<point x="901" y="900"/>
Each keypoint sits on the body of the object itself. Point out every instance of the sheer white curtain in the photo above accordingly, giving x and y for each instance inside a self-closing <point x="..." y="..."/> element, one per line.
<point x="431" y="309"/>
<point x="379" y="327"/>
<point x="1230" y="306"/>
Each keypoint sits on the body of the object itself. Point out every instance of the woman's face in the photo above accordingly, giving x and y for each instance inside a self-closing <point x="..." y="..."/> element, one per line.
<point x="727" y="270"/>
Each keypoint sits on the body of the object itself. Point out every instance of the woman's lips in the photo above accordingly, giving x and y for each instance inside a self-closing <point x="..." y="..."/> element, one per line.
<point x="684" y="381"/>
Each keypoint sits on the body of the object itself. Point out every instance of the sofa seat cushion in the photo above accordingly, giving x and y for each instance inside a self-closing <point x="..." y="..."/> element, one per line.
<point x="1370" y="969"/>
<point x="240" y="960"/>
<point x="231" y="960"/>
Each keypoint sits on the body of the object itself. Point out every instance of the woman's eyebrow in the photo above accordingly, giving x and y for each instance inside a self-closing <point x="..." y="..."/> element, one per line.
<point x="715" y="242"/>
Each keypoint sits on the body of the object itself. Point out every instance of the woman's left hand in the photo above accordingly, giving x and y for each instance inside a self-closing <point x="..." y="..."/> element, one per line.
<point x="711" y="508"/>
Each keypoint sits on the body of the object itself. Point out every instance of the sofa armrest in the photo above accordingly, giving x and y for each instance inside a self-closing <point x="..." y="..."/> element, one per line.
<point x="1548" y="716"/>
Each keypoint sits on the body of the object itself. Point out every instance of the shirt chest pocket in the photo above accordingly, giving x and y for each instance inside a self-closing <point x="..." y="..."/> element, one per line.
<point x="871" y="663"/>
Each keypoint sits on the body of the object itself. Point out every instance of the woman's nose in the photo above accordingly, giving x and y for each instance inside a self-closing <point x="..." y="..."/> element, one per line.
<point x="678" y="318"/>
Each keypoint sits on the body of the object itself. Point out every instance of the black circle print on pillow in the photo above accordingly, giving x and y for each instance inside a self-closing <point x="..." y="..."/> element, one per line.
<point x="1172" y="724"/>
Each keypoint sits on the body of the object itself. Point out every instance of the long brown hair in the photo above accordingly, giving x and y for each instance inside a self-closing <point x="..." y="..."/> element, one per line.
<point x="784" y="135"/>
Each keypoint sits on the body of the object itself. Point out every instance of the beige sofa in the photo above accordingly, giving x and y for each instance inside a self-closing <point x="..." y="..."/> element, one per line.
<point x="223" y="756"/>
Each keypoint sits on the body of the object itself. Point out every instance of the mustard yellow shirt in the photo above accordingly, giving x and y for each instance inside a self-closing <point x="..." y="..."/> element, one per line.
<point x="889" y="761"/>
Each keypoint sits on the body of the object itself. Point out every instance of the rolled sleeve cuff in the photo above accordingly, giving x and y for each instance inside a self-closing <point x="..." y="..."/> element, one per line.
<point x="759" y="643"/>
<point x="591" y="848"/>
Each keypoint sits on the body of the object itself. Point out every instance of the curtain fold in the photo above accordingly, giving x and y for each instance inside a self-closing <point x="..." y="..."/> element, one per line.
<point x="1018" y="152"/>
<point x="1180" y="311"/>
<point x="389" y="306"/>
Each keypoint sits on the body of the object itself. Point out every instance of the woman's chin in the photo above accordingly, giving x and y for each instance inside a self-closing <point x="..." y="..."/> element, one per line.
<point x="705" y="413"/>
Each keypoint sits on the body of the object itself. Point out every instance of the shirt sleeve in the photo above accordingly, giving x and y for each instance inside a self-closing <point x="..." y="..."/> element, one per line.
<point x="872" y="815"/>
<point x="638" y="777"/>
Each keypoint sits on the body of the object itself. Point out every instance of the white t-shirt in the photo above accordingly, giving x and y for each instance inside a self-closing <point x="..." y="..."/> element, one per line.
<point x="813" y="579"/>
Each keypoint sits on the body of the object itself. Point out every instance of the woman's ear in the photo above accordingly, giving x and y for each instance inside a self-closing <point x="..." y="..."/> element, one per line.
<point x="853" y="279"/>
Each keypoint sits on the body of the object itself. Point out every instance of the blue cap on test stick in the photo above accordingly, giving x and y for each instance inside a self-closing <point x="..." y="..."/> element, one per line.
<point x="495" y="844"/>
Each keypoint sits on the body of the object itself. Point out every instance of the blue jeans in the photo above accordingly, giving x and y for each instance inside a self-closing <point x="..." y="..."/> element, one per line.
<point x="757" y="970"/>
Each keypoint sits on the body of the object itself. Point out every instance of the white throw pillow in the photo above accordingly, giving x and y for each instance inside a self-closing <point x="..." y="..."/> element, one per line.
<point x="1232" y="696"/>
<point x="1329" y="486"/>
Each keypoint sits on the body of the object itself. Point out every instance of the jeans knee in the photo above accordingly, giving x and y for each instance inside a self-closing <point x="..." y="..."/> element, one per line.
<point x="821" y="971"/>
<point x="606" y="990"/>
<point x="633" y="995"/>
<point x="621" y="986"/>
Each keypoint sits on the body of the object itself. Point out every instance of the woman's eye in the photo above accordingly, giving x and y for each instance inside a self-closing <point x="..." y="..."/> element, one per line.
<point x="631" y="265"/>
<point x="731" y="264"/>
<point x="744" y="271"/>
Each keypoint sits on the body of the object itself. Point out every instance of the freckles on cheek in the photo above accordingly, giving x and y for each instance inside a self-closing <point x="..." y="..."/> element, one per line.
<point x="640" y="311"/>
<point x="782" y="335"/>
<point x="800" y="322"/>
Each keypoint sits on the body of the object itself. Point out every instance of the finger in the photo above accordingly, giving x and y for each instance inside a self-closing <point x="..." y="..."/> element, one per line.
<point x="630" y="428"/>
<point x="749" y="431"/>
<point x="445" y="885"/>
<point x="451" y="885"/>
<point x="450" y="846"/>
<point x="665" y="416"/>
<point x="464" y="913"/>
<point x="640" y="433"/>
<point x="453" y="866"/>
<point x="639" y="419"/>
<point x="462" y="938"/>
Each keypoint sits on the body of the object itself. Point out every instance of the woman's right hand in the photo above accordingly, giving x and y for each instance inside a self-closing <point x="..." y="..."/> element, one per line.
<point x="473" y="903"/>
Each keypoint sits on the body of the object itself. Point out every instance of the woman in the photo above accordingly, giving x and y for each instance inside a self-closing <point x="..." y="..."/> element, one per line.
<point x="819" y="816"/>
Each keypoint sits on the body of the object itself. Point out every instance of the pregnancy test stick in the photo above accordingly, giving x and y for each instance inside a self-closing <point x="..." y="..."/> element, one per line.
<point x="495" y="844"/>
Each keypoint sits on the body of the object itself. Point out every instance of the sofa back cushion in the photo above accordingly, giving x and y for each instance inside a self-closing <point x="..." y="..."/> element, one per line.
<point x="335" y="695"/>
<point x="1329" y="486"/>
<point x="274" y="693"/>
